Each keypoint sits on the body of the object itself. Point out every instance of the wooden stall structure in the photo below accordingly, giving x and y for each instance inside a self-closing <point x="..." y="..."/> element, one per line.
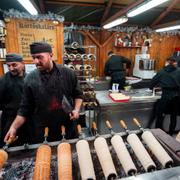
<point x="21" y="33"/>
<point x="162" y="46"/>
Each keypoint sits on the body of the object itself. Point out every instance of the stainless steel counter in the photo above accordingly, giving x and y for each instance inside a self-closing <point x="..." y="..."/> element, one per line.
<point x="139" y="106"/>
<point x="138" y="95"/>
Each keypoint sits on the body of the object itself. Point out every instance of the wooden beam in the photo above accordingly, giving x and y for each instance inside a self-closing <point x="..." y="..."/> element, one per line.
<point x="74" y="3"/>
<point x="106" y="12"/>
<point x="114" y="5"/>
<point x="64" y="10"/>
<point x="172" y="23"/>
<point x="93" y="39"/>
<point x="109" y="39"/>
<point x="163" y="14"/>
<point x="122" y="12"/>
<point x="41" y="6"/>
<point x="90" y="13"/>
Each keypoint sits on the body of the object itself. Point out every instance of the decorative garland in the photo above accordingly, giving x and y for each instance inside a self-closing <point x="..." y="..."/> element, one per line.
<point x="127" y="29"/>
<point x="12" y="13"/>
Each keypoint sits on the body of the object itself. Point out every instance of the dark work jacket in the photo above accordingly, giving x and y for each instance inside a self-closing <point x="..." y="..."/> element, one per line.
<point x="11" y="88"/>
<point x="41" y="101"/>
<point x="164" y="80"/>
<point x="114" y="68"/>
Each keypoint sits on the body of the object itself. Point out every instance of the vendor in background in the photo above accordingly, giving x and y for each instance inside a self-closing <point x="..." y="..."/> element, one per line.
<point x="44" y="89"/>
<point x="11" y="88"/>
<point x="114" y="67"/>
<point x="169" y="80"/>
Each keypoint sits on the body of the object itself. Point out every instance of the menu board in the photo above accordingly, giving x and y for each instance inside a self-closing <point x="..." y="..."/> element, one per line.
<point x="33" y="31"/>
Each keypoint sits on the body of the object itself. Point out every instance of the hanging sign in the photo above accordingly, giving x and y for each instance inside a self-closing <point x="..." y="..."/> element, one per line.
<point x="33" y="31"/>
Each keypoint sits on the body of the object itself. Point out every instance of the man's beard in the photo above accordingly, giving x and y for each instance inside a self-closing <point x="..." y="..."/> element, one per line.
<point x="14" y="73"/>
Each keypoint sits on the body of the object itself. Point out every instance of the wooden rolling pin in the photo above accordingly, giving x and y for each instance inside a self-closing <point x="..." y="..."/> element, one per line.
<point x="157" y="149"/>
<point x="3" y="153"/>
<point x="64" y="161"/>
<point x="139" y="150"/>
<point x="85" y="160"/>
<point x="64" y="158"/>
<point x="3" y="157"/>
<point x="122" y="152"/>
<point x="43" y="160"/>
<point x="42" y="164"/>
<point x="104" y="157"/>
<point x="84" y="157"/>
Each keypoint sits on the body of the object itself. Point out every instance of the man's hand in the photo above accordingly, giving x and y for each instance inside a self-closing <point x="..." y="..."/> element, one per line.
<point x="74" y="115"/>
<point x="10" y="134"/>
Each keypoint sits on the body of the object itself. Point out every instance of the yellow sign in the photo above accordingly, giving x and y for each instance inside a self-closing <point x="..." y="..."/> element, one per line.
<point x="33" y="31"/>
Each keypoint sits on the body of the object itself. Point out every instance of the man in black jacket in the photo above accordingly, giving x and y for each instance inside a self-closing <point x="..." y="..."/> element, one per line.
<point x="114" y="67"/>
<point x="169" y="80"/>
<point x="44" y="89"/>
<point x="11" y="87"/>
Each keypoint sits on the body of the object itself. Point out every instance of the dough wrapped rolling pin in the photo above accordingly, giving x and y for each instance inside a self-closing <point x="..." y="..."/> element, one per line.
<point x="64" y="158"/>
<point x="84" y="158"/>
<point x="78" y="57"/>
<point x="91" y="57"/>
<point x="104" y="156"/>
<point x="72" y="57"/>
<point x="139" y="150"/>
<point x="84" y="57"/>
<point x="3" y="153"/>
<point x="154" y="145"/>
<point x="43" y="160"/>
<point x="122" y="152"/>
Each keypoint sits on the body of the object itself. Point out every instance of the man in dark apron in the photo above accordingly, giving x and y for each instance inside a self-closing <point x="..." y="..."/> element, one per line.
<point x="11" y="88"/>
<point x="44" y="89"/>
<point x="114" y="67"/>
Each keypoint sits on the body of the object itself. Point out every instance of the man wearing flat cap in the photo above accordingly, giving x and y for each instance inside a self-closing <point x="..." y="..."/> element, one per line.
<point x="168" y="78"/>
<point x="11" y="87"/>
<point x="44" y="91"/>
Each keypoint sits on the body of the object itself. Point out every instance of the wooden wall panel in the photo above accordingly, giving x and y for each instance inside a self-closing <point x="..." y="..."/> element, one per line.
<point x="162" y="46"/>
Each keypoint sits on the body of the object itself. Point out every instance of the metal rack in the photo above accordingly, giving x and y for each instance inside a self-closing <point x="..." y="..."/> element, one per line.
<point x="82" y="74"/>
<point x="78" y="59"/>
<point x="21" y="159"/>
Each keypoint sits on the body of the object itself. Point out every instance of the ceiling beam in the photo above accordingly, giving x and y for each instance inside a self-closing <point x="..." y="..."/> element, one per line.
<point x="86" y="15"/>
<point x="114" y="5"/>
<point x="107" y="10"/>
<point x="164" y="13"/>
<point x="74" y="3"/>
<point x="41" y="6"/>
<point x="56" y="2"/>
<point x="64" y="10"/>
<point x="123" y="11"/>
<point x="172" y="23"/>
